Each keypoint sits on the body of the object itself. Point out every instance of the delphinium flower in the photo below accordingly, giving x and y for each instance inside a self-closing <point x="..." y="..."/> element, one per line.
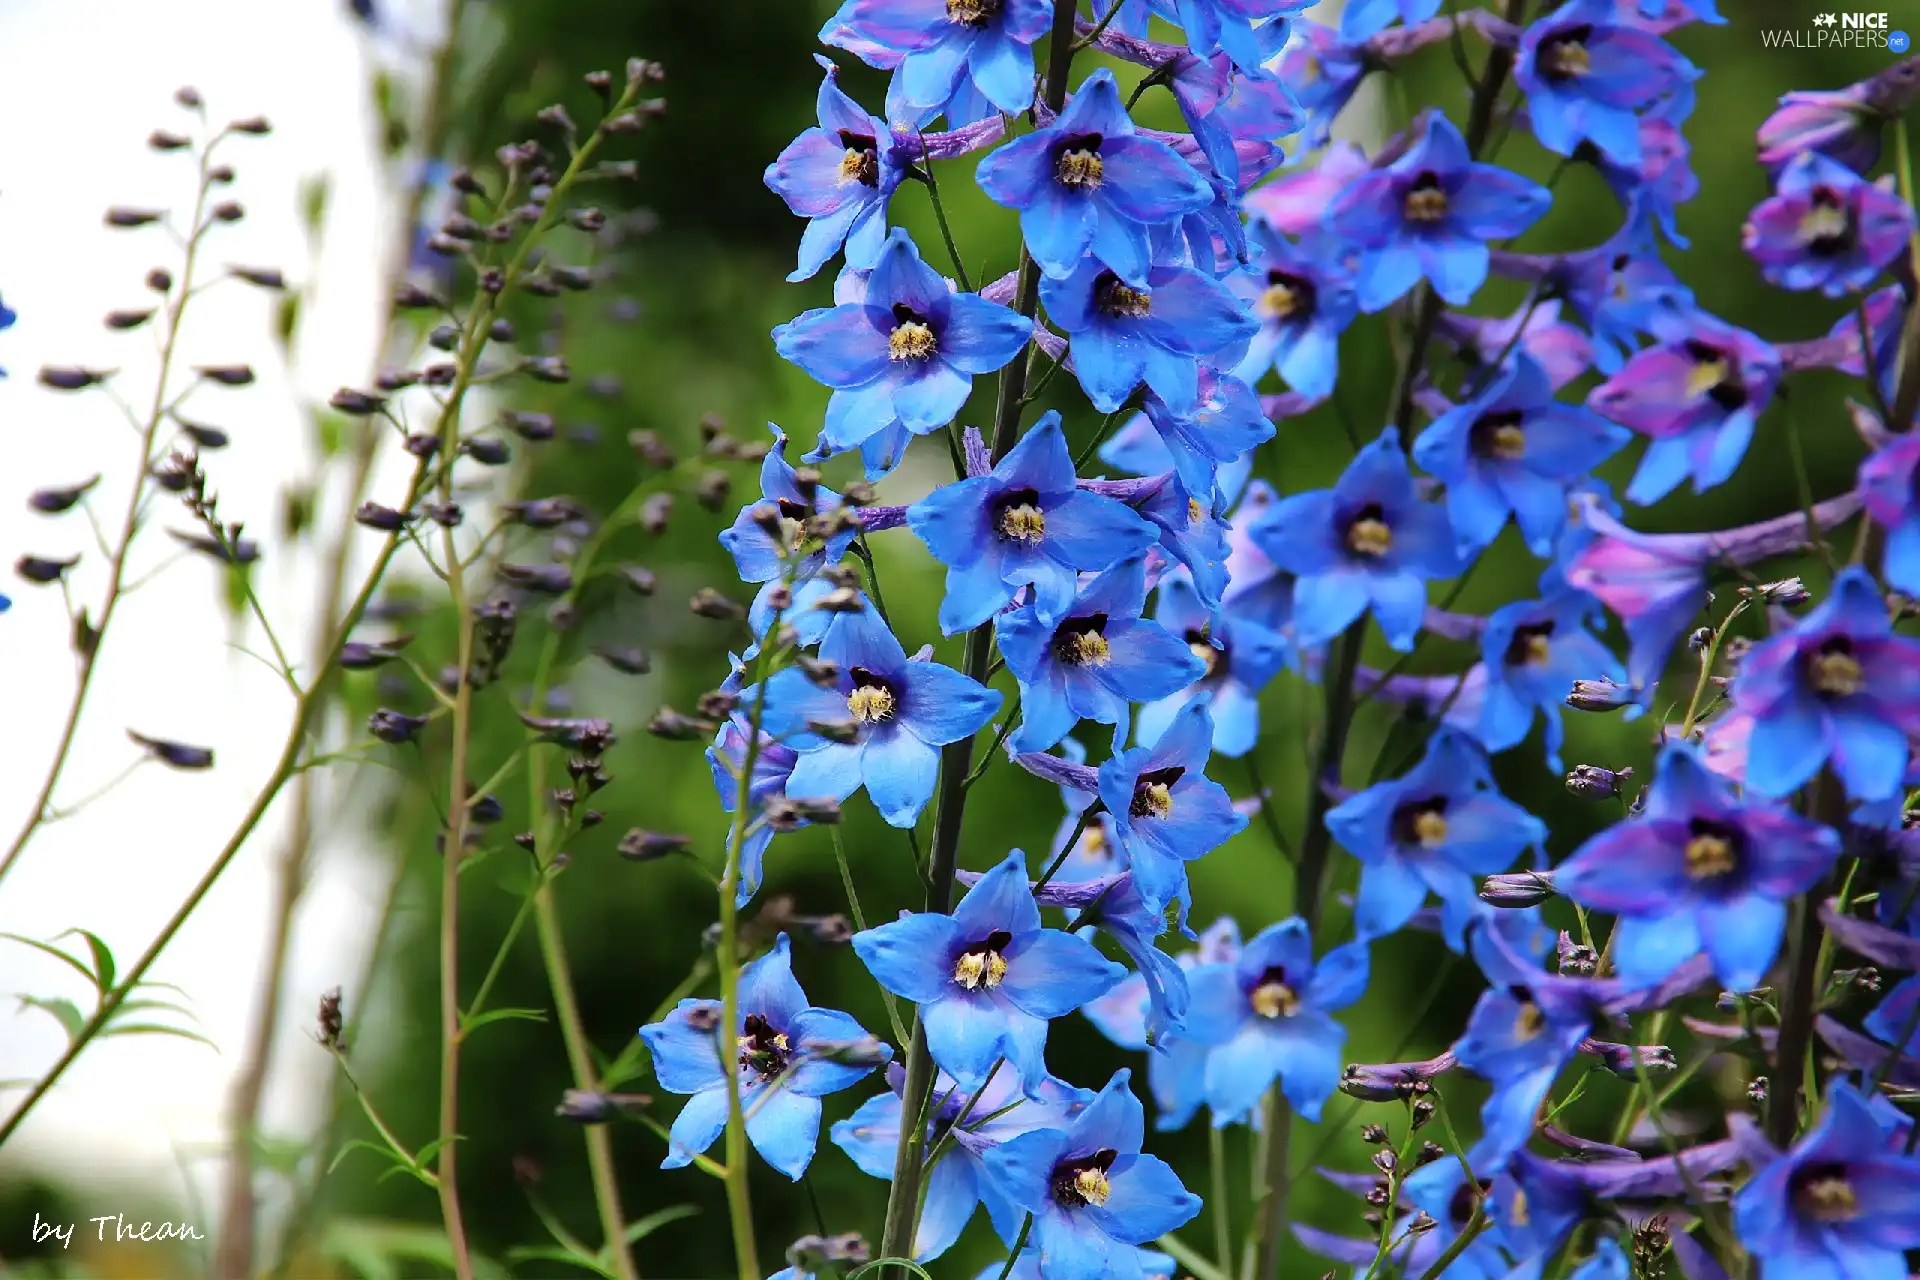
<point x="1302" y="295"/>
<point x="772" y="765"/>
<point x="908" y="351"/>
<point x="1368" y="541"/>
<point x="1887" y="483"/>
<point x="762" y="541"/>
<point x="1440" y="826"/>
<point x="1585" y="76"/>
<point x="888" y="719"/>
<point x="1885" y="311"/>
<point x="1122" y="335"/>
<point x="1147" y="1264"/>
<point x="1429" y="214"/>
<point x="1362" y="18"/>
<point x="988" y="977"/>
<point x="1223" y="426"/>
<point x="1840" y="685"/>
<point x="1827" y="228"/>
<point x="1237" y="657"/>
<point x="1697" y="871"/>
<point x="1093" y="1195"/>
<point x="839" y="176"/>
<point x="1258" y="589"/>
<point x="1166" y="811"/>
<point x="1324" y="69"/>
<point x="965" y="57"/>
<point x="1441" y="1191"/>
<point x="1089" y="185"/>
<point x="784" y="1052"/>
<point x="1618" y="291"/>
<point x="1843" y="124"/>
<point x="1094" y="661"/>
<point x="1843" y="1203"/>
<point x="1138" y="449"/>
<point x="7" y="317"/>
<point x="1696" y="395"/>
<point x="1265" y="1015"/>
<point x="1534" y="652"/>
<point x="974" y="1123"/>
<point x="1514" y="450"/>
<point x="1192" y="534"/>
<point x="1024" y="524"/>
<point x="1653" y="188"/>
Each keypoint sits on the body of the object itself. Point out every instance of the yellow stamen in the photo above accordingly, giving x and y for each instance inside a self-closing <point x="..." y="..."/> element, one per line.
<point x="1836" y="674"/>
<point x="860" y="165"/>
<point x="1709" y="856"/>
<point x="1706" y="375"/>
<point x="1195" y="512"/>
<point x="1153" y="800"/>
<point x="1430" y="828"/>
<point x="911" y="340"/>
<point x="1087" y="649"/>
<point x="1208" y="655"/>
<point x="1824" y="222"/>
<point x="1507" y="441"/>
<point x="1091" y="1185"/>
<point x="1081" y="168"/>
<point x="971" y="11"/>
<point x="1538" y="649"/>
<point x="871" y="703"/>
<point x="1529" y="1022"/>
<point x="1425" y="204"/>
<point x="1119" y="300"/>
<point x="1274" y="1000"/>
<point x="976" y="969"/>
<point x="1369" y="537"/>
<point x="1279" y="300"/>
<point x="1828" y="1199"/>
<point x="1024" y="522"/>
<point x="1568" y="58"/>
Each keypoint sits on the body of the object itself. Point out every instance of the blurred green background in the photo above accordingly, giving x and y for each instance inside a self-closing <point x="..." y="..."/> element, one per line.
<point x="709" y="282"/>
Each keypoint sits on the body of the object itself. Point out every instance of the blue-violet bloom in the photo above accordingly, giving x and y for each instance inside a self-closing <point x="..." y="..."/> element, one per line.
<point x="839" y="176"/>
<point x="1827" y="228"/>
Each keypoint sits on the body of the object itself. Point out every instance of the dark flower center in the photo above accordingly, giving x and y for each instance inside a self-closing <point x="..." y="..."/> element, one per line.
<point x="1153" y="793"/>
<point x="1824" y="1193"/>
<point x="1531" y="646"/>
<point x="872" y="700"/>
<point x="972" y="13"/>
<point x="1287" y="296"/>
<point x="982" y="965"/>
<point x="1078" y="1183"/>
<point x="1201" y="645"/>
<point x="1368" y="533"/>
<point x="1082" y="642"/>
<point x="1077" y="163"/>
<point x="1832" y="669"/>
<point x="1466" y="1198"/>
<point x="1564" y="55"/>
<point x="1499" y="435"/>
<point x="1113" y="298"/>
<point x="1528" y="1020"/>
<point x="1422" y="823"/>
<point x="1715" y="374"/>
<point x="1826" y="228"/>
<point x="1713" y="850"/>
<point x="762" y="1050"/>
<point x="1020" y="518"/>
<point x="1426" y="200"/>
<point x="912" y="337"/>
<point x="1273" y="996"/>
<point x="861" y="163"/>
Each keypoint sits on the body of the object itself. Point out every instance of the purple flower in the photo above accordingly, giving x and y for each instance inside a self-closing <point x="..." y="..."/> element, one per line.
<point x="1430" y="214"/>
<point x="1697" y="871"/>
<point x="1362" y="18"/>
<point x="1088" y="184"/>
<point x="772" y="765"/>
<point x="1887" y="483"/>
<point x="1122" y="335"/>
<point x="1534" y="651"/>
<point x="1620" y="291"/>
<point x="1302" y="296"/>
<point x="1298" y="201"/>
<point x="1696" y="395"/>
<point x="1838" y="123"/>
<point x="1586" y="75"/>
<point x="1324" y="70"/>
<point x="1826" y="227"/>
<point x="839" y="177"/>
<point x="966" y="57"/>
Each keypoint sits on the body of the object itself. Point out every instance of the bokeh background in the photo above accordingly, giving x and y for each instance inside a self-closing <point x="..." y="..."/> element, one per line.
<point x="679" y="333"/>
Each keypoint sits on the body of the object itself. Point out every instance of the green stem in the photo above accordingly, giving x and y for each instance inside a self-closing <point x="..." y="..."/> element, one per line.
<point x="1019" y="1243"/>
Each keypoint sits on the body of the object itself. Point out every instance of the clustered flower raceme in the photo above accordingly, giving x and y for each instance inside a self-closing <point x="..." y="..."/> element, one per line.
<point x="1175" y="274"/>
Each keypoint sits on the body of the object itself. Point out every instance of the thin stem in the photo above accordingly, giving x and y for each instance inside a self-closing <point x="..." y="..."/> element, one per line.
<point x="940" y="215"/>
<point x="1217" y="1174"/>
<point x="1799" y="1002"/>
<point x="1019" y="1243"/>
<point x="860" y="923"/>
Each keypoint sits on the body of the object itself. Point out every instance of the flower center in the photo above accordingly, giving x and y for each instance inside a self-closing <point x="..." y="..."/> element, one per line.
<point x="1271" y="997"/>
<point x="1824" y="1194"/>
<point x="1566" y="56"/>
<point x="1078" y="163"/>
<point x="911" y="338"/>
<point x="1531" y="646"/>
<point x="1082" y="1182"/>
<point x="982" y="965"/>
<point x="1528" y="1020"/>
<point x="870" y="701"/>
<point x="1200" y="644"/>
<point x="1116" y="299"/>
<point x="1153" y="793"/>
<point x="861" y="163"/>
<point x="972" y="13"/>
<point x="1093" y="841"/>
<point x="1499" y="435"/>
<point x="1713" y="375"/>
<point x="762" y="1050"/>
<point x="1021" y="519"/>
<point x="1834" y="671"/>
<point x="1426" y="199"/>
<point x="1826" y="228"/>
<point x="1195" y="512"/>
<point x="1368" y="533"/>
<point x="1287" y="296"/>
<point x="1082" y="642"/>
<point x="1712" y="850"/>
<point x="1423" y="824"/>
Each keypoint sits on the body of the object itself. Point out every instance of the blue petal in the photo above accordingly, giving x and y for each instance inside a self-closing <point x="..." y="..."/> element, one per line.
<point x="900" y="772"/>
<point x="699" y="1123"/>
<point x="1055" y="973"/>
<point x="784" y="1128"/>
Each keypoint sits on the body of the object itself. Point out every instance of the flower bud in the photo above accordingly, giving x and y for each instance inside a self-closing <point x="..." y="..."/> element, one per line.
<point x="72" y="377"/>
<point x="711" y="492"/>
<point x="227" y="375"/>
<point x="548" y="369"/>
<point x="1701" y="638"/>
<point x="125" y="321"/>
<point x="167" y="140"/>
<point x="639" y="579"/>
<point x="122" y="217"/>
<point x="532" y="427"/>
<point x="677" y="727"/>
<point x="640" y="845"/>
<point x="655" y="512"/>
<point x="176" y="755"/>
<point x="652" y="450"/>
<point x="1422" y="1111"/>
<point x="1591" y="782"/>
<point x="385" y="519"/>
<point x="581" y="733"/>
<point x="548" y="579"/>
<point x="395" y="727"/>
<point x="356" y="404"/>
<point x="709" y="603"/>
<point x="1621" y="1058"/>
<point x="1599" y="695"/>
<point x="1517" y="889"/>
<point x="204" y="437"/>
<point x="53" y="501"/>
<point x="43" y="569"/>
<point x="487" y="451"/>
<point x="257" y="126"/>
<point x="447" y="515"/>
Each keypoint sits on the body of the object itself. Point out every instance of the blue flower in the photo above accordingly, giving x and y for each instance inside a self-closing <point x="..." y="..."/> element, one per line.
<point x="1223" y="426"/>
<point x="1192" y="534"/>
<point x="783" y="1052"/>
<point x="1266" y="1016"/>
<point x="1239" y="655"/>
<point x="1093" y="1196"/>
<point x="1368" y="541"/>
<point x="1441" y="1191"/>
<point x="1177" y="1069"/>
<point x="1023" y="524"/>
<point x="758" y="555"/>
<point x="772" y="765"/>
<point x="1094" y="661"/>
<point x="909" y="351"/>
<point x="1430" y="214"/>
<point x="987" y="978"/>
<point x="1698" y="870"/>
<point x="1893" y="1018"/>
<point x="1362" y="18"/>
<point x="956" y="1183"/>
<point x="7" y="317"/>
<point x="1302" y="295"/>
<point x="900" y="714"/>
<point x="1114" y="905"/>
<point x="1229" y="27"/>
<point x="1166" y="811"/>
<point x="839" y="177"/>
<point x="1514" y="450"/>
<point x="1840" y="685"/>
<point x="1440" y="826"/>
<point x="1324" y="69"/>
<point x="1618" y="291"/>
<point x="1534" y="651"/>
<point x="1586" y="75"/>
<point x="947" y="54"/>
<point x="1887" y="485"/>
<point x="1137" y="449"/>
<point x="1122" y="335"/>
<point x="1843" y="1204"/>
<point x="1826" y="227"/>
<point x="1089" y="184"/>
<point x="1030" y="1265"/>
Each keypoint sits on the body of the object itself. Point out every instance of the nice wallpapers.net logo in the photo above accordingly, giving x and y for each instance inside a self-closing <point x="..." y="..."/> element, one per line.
<point x="1840" y="30"/>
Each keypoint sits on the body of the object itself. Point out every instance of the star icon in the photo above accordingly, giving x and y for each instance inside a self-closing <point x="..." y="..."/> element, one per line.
<point x="1824" y="20"/>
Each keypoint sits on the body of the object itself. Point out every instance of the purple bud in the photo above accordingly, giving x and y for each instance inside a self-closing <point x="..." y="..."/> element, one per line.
<point x="624" y="658"/>
<point x="709" y="603"/>
<point x="203" y="436"/>
<point x="548" y="579"/>
<point x="43" y="569"/>
<point x="395" y="727"/>
<point x="227" y="375"/>
<point x="1575" y="958"/>
<point x="124" y="321"/>
<point x="640" y="845"/>
<point x="72" y="377"/>
<point x="259" y="277"/>
<point x="529" y="426"/>
<point x="177" y="755"/>
<point x="365" y="655"/>
<point x="1599" y="695"/>
<point x="53" y="501"/>
<point x="639" y="579"/>
<point x="598" y="1108"/>
<point x="1621" y="1058"/>
<point x="1517" y="889"/>
<point x="385" y="519"/>
<point x="120" y="216"/>
<point x="584" y="734"/>
<point x="487" y="451"/>
<point x="356" y="404"/>
<point x="544" y="513"/>
<point x="1591" y="782"/>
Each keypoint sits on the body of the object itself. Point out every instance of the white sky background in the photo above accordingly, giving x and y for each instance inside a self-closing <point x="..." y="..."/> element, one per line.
<point x="82" y="83"/>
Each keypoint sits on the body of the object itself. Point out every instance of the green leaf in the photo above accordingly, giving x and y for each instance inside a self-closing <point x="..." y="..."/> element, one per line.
<point x="156" y="1029"/>
<point x="380" y="1149"/>
<point x="164" y="1006"/>
<point x="49" y="949"/>
<point x="501" y="1015"/>
<point x="908" y="1263"/>
<point x="629" y="1066"/>
<point x="65" y="1012"/>
<point x="644" y="1227"/>
<point x="278" y="1153"/>
<point x="103" y="965"/>
<point x="548" y="1253"/>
